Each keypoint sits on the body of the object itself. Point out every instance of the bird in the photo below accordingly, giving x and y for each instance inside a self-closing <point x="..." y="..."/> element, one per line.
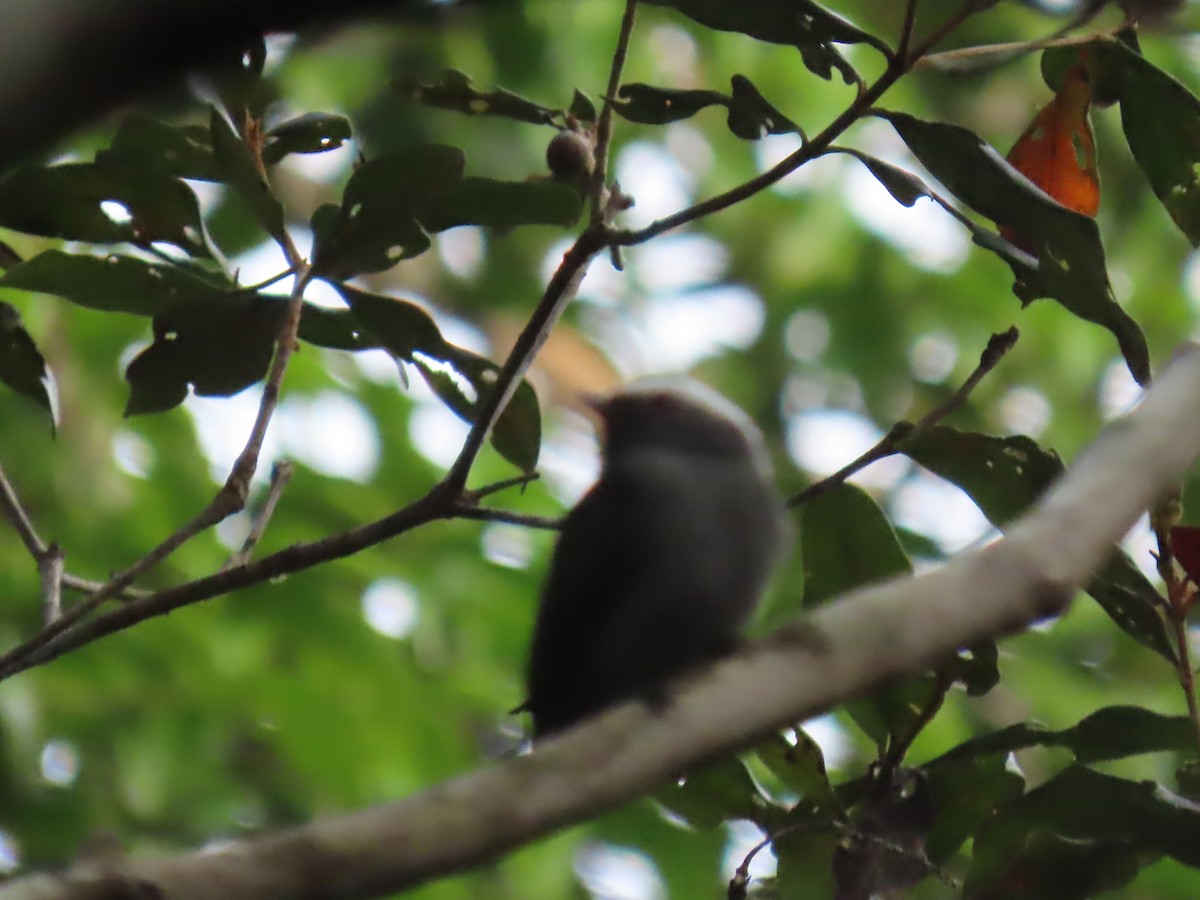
<point x="662" y="561"/>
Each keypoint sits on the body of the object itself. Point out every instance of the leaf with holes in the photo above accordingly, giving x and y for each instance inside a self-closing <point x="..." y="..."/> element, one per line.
<point x="649" y="105"/>
<point x="1066" y="261"/>
<point x="217" y="348"/>
<point x="453" y="90"/>
<point x="102" y="204"/>
<point x="113" y="283"/>
<point x="22" y="366"/>
<point x="400" y="327"/>
<point x="314" y="132"/>
<point x="1004" y="476"/>
<point x="181" y="151"/>
<point x="376" y="226"/>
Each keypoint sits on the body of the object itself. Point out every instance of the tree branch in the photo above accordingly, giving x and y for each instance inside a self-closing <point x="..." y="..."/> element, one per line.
<point x="840" y="650"/>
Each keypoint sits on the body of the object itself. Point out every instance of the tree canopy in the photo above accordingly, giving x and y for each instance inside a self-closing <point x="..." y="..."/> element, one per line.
<point x="290" y="339"/>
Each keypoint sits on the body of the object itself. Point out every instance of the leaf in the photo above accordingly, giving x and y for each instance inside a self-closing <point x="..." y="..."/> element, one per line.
<point x="649" y="105"/>
<point x="806" y="25"/>
<point x="240" y="172"/>
<point x="458" y="377"/>
<point x="717" y="793"/>
<point x="1004" y="476"/>
<point x="1057" y="152"/>
<point x="500" y="204"/>
<point x="1185" y="546"/>
<point x="1114" y="732"/>
<point x="1126" y="823"/>
<point x="218" y="348"/>
<point x="112" y="283"/>
<point x="102" y="204"/>
<point x="462" y="381"/>
<point x="965" y="790"/>
<point x="181" y="151"/>
<point x="22" y="366"/>
<point x="453" y="91"/>
<point x="1068" y="264"/>
<point x="314" y="132"/>
<point x="338" y="329"/>
<point x="751" y="116"/>
<point x="582" y="107"/>
<point x="801" y="768"/>
<point x="376" y="225"/>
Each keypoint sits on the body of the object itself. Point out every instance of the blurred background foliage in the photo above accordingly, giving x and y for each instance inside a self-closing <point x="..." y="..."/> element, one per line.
<point x="821" y="305"/>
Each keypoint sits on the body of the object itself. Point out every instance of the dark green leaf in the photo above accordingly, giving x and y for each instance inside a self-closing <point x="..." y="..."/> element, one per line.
<point x="376" y="226"/>
<point x="180" y="151"/>
<point x="1004" y="476"/>
<point x="1041" y="839"/>
<point x="22" y="366"/>
<point x="751" y="116"/>
<point x="808" y="26"/>
<point x="1113" y="732"/>
<point x="338" y="329"/>
<point x="977" y="668"/>
<point x="1105" y="78"/>
<point x="462" y="380"/>
<point x="219" y="348"/>
<point x="111" y="284"/>
<point x="453" y="90"/>
<point x="102" y="204"/>
<point x="715" y="794"/>
<point x="501" y="204"/>
<point x="582" y="107"/>
<point x="313" y="132"/>
<point x="965" y="790"/>
<point x="401" y="327"/>
<point x="904" y="186"/>
<point x="1068" y="260"/>
<point x="1161" y="120"/>
<point x="651" y="105"/>
<point x="240" y="172"/>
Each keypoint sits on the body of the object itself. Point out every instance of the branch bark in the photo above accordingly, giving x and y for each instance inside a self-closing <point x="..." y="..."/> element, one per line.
<point x="837" y="652"/>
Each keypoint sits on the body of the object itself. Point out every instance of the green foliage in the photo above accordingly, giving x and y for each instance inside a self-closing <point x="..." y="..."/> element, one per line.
<point x="1042" y="771"/>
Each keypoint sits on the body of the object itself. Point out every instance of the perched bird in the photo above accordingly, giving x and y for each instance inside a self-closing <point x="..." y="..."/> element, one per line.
<point x="663" y="560"/>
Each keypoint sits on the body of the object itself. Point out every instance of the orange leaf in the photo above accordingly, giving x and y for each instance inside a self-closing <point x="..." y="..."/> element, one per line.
<point x="1057" y="151"/>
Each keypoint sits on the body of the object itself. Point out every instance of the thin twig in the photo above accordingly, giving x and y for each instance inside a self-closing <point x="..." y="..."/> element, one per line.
<point x="281" y="474"/>
<point x="604" y="125"/>
<point x="487" y="490"/>
<point x="907" y="29"/>
<point x="483" y="514"/>
<point x="998" y="345"/>
<point x="50" y="568"/>
<point x="809" y="151"/>
<point x="1181" y="594"/>
<point x="14" y="511"/>
<point x="267" y="282"/>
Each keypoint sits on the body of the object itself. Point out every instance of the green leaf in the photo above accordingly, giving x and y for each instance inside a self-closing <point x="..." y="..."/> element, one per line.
<point x="240" y="172"/>
<point x="1042" y="838"/>
<point x="102" y="204"/>
<point x="1161" y="121"/>
<point x="806" y="25"/>
<point x="649" y="105"/>
<point x="905" y="187"/>
<point x="1068" y="260"/>
<point x="1004" y="476"/>
<point x="501" y="204"/>
<point x="402" y="328"/>
<point x="453" y="91"/>
<point x="338" y="329"/>
<point x="965" y="790"/>
<point x="180" y="151"/>
<point x="218" y="348"/>
<point x="313" y="132"/>
<point x="22" y="366"/>
<point x="801" y="768"/>
<point x="462" y="380"/>
<point x="846" y="542"/>
<point x="112" y="283"/>
<point x="1113" y="732"/>
<point x="751" y="116"/>
<point x="715" y="794"/>
<point x="376" y="225"/>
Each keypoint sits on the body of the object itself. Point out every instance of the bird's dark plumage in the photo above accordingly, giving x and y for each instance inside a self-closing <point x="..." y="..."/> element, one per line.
<point x="662" y="561"/>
